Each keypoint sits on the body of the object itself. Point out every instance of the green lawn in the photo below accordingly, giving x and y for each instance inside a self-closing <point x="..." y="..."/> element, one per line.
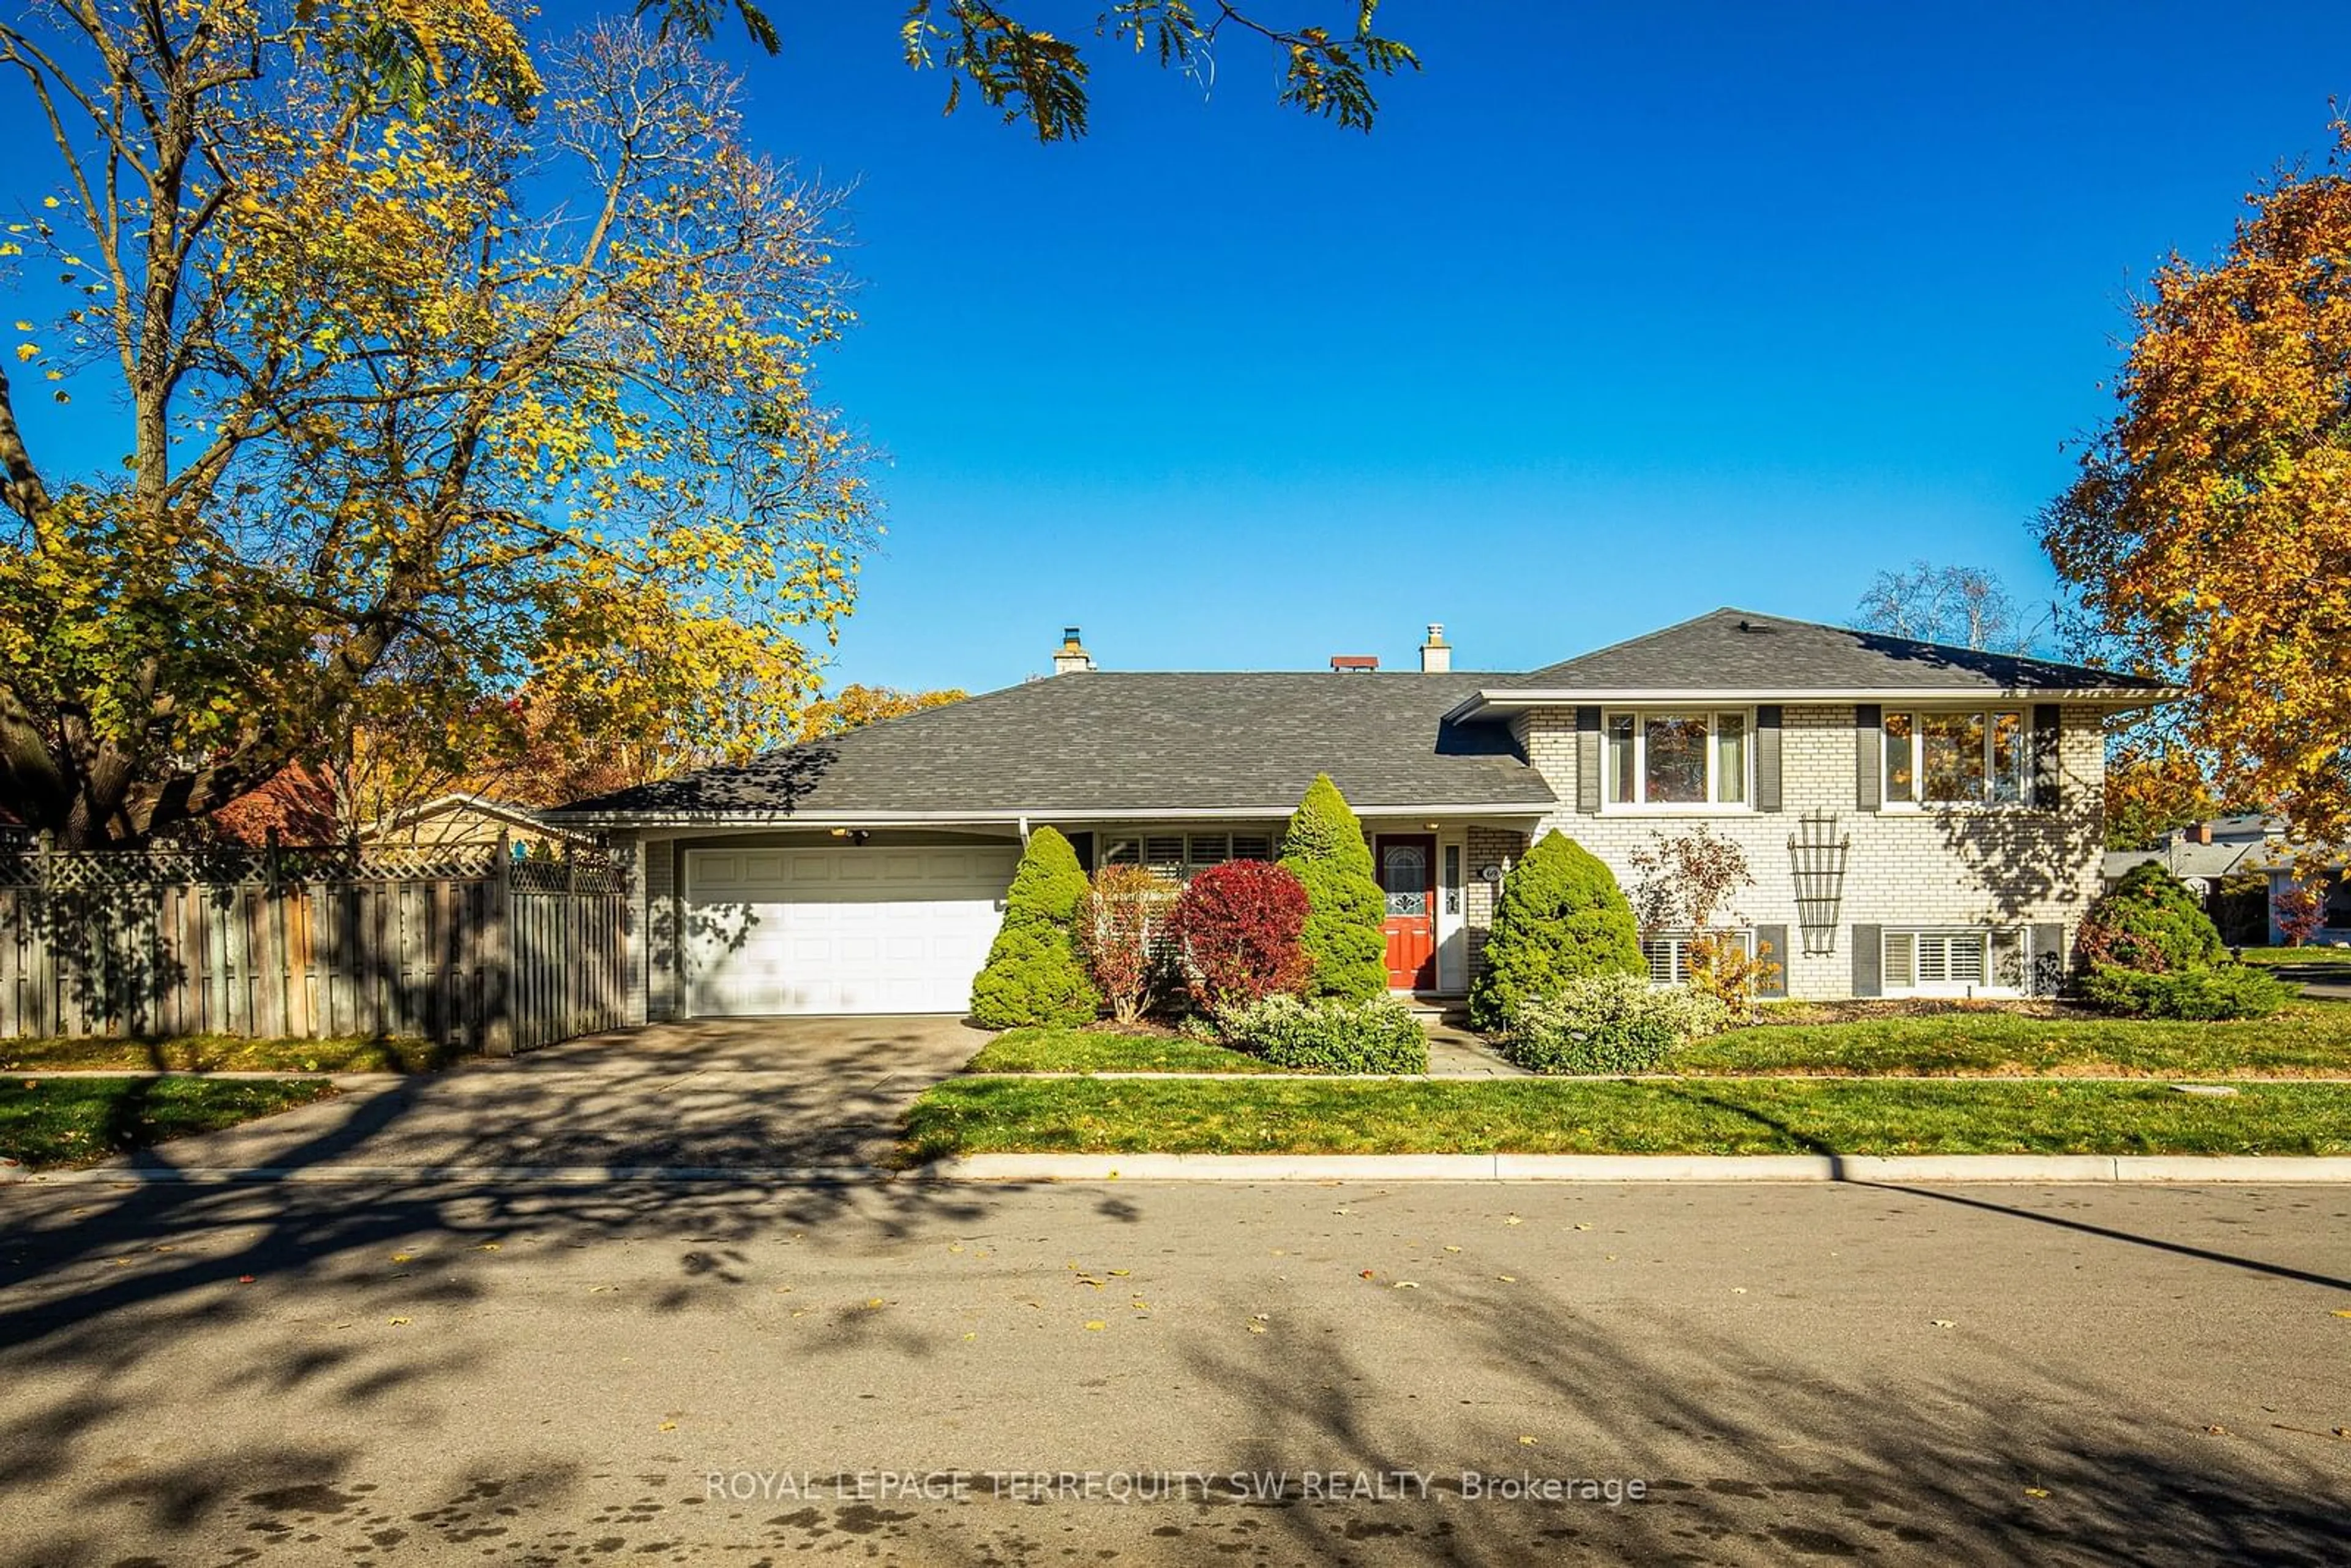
<point x="228" y="1054"/>
<point x="1653" y="1117"/>
<point x="2307" y="1038"/>
<point x="2298" y="954"/>
<point x="1050" y="1048"/>
<point x="46" y="1122"/>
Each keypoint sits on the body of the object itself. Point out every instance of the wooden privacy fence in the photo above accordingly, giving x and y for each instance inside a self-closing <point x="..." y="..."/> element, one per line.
<point x="464" y="945"/>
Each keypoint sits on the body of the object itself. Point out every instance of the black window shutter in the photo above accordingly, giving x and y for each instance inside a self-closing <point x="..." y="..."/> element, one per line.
<point x="1767" y="758"/>
<point x="2046" y="794"/>
<point x="1869" y="756"/>
<point x="1868" y="961"/>
<point x="1772" y="948"/>
<point x="1587" y="761"/>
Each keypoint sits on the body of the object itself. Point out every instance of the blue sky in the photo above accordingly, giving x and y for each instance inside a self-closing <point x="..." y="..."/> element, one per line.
<point x="1619" y="314"/>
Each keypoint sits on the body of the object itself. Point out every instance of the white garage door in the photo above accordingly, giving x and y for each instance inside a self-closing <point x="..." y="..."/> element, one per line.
<point x="871" y="930"/>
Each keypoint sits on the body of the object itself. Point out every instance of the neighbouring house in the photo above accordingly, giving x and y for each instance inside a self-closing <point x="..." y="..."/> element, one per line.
<point x="1920" y="819"/>
<point x="460" y="818"/>
<point x="2222" y="861"/>
<point x="2329" y="874"/>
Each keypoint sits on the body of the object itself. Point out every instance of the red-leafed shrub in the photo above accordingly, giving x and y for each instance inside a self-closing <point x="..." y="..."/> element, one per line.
<point x="1122" y="929"/>
<point x="1238" y="928"/>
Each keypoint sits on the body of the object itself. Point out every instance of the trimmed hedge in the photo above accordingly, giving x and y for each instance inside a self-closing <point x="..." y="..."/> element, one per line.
<point x="1561" y="916"/>
<point x="2149" y="922"/>
<point x="1035" y="973"/>
<point x="1610" y="1022"/>
<point x="1344" y="940"/>
<point x="2221" y="991"/>
<point x="1329" y="1036"/>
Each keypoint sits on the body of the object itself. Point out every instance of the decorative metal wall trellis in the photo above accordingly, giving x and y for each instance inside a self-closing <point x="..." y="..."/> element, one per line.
<point x="1818" y="853"/>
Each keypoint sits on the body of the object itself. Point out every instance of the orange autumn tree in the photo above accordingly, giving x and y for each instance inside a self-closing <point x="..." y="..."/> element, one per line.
<point x="444" y="369"/>
<point x="855" y="706"/>
<point x="2208" y="531"/>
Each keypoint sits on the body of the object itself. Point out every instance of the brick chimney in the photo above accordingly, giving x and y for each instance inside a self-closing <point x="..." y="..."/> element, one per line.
<point x="1354" y="664"/>
<point x="2202" y="833"/>
<point x="1071" y="656"/>
<point x="1435" y="656"/>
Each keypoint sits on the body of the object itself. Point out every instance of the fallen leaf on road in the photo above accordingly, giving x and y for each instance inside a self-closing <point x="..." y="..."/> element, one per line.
<point x="1096" y="1325"/>
<point x="1530" y="1442"/>
<point x="487" y="1247"/>
<point x="955" y="1246"/>
<point x="2217" y="1431"/>
<point x="593" y="1289"/>
<point x="1507" y="1278"/>
<point x="1257" y="1328"/>
<point x="1581" y="1226"/>
<point x="1941" y="1323"/>
<point x="1408" y="1284"/>
<point x="1453" y="1249"/>
<point x="245" y="1279"/>
<point x="1512" y="1220"/>
<point x="669" y="1426"/>
<point x="2036" y="1491"/>
<point x="876" y="1302"/>
<point x="397" y="1322"/>
<point x="1365" y="1275"/>
<point x="403" y="1257"/>
<point x="1738" y="1289"/>
<point x="971" y="1336"/>
<point x="2342" y="1311"/>
<point x="1120" y="1273"/>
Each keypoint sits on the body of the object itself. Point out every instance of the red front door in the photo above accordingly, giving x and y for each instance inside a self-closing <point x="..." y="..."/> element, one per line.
<point x="1407" y="866"/>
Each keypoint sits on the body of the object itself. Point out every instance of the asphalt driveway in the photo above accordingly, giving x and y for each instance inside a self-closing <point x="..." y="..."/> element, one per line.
<point x="712" y="1094"/>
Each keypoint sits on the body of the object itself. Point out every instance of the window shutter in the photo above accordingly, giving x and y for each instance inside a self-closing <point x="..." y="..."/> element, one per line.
<point x="2047" y="977"/>
<point x="1775" y="939"/>
<point x="1869" y="757"/>
<point x="1767" y="758"/>
<point x="2045" y="792"/>
<point x="1868" y="962"/>
<point x="1253" y="847"/>
<point x="1587" y="761"/>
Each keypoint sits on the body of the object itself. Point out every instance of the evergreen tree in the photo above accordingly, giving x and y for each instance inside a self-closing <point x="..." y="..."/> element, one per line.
<point x="1343" y="940"/>
<point x="1035" y="974"/>
<point x="1561" y="916"/>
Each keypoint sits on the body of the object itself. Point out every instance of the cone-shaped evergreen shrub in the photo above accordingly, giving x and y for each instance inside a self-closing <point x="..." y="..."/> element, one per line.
<point x="1561" y="916"/>
<point x="1035" y="973"/>
<point x="2151" y="922"/>
<point x="1343" y="942"/>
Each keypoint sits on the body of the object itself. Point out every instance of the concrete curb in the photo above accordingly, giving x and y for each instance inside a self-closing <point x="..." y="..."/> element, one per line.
<point x="1891" y="1169"/>
<point x="2038" y="1168"/>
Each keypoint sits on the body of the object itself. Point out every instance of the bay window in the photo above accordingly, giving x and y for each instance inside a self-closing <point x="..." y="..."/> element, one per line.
<point x="1681" y="758"/>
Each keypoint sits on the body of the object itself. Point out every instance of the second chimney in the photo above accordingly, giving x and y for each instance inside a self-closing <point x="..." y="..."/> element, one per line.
<point x="1071" y="656"/>
<point x="1435" y="656"/>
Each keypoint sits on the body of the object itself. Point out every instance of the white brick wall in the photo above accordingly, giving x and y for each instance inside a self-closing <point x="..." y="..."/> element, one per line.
<point x="1906" y="868"/>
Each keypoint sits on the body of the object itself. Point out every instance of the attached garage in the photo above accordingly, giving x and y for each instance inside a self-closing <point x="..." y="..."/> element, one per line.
<point x="866" y="929"/>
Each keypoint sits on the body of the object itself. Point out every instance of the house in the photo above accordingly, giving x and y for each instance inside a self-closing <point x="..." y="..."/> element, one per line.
<point x="2222" y="862"/>
<point x="2327" y="874"/>
<point x="452" y="820"/>
<point x="1918" y="818"/>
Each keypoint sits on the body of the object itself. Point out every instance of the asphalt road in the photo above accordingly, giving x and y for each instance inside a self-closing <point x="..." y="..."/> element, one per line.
<point x="643" y="1373"/>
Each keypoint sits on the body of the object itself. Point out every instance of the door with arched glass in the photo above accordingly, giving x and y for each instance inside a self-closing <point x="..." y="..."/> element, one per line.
<point x="1407" y="874"/>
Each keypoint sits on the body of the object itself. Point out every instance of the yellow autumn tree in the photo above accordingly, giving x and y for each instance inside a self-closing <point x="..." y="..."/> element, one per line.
<point x="430" y="395"/>
<point x="855" y="707"/>
<point x="2209" y="528"/>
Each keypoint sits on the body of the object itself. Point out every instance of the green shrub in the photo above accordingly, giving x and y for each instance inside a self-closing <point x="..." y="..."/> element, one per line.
<point x="1344" y="941"/>
<point x="1329" y="1035"/>
<point x="1609" y="1022"/>
<point x="2149" y="922"/>
<point x="1035" y="973"/>
<point x="2221" y="991"/>
<point x="1561" y="916"/>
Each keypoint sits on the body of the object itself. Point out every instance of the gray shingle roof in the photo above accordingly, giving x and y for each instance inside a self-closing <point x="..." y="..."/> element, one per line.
<point x="1741" y="650"/>
<point x="1138" y="742"/>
